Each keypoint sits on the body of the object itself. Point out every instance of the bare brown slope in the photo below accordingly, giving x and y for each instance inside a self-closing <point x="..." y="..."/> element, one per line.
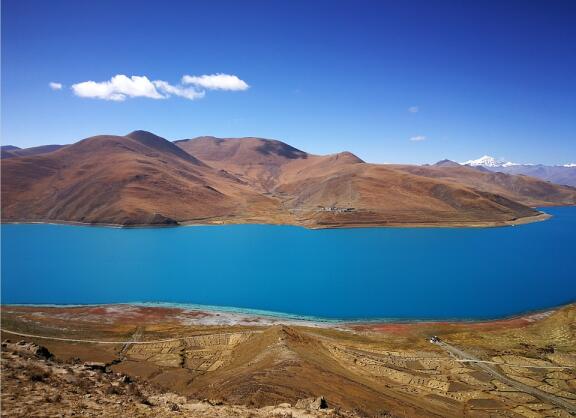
<point x="9" y="151"/>
<point x="134" y="179"/>
<point x="36" y="384"/>
<point x="368" y="194"/>
<point x="263" y="163"/>
<point x="256" y="160"/>
<point x="527" y="190"/>
<point x="241" y="151"/>
<point x="342" y="190"/>
<point x="284" y="363"/>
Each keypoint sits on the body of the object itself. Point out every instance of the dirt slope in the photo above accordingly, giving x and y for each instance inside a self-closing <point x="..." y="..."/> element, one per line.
<point x="524" y="189"/>
<point x="256" y="160"/>
<point x="35" y="384"/>
<point x="10" y="151"/>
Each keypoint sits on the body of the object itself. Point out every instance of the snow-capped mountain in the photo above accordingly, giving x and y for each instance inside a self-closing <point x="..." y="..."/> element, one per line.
<point x="560" y="174"/>
<point x="488" y="161"/>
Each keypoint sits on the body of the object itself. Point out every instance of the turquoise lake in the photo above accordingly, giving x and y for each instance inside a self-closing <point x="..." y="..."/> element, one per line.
<point x="365" y="273"/>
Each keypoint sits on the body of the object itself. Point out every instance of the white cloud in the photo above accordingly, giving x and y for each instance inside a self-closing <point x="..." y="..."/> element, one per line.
<point x="216" y="82"/>
<point x="120" y="87"/>
<point x="418" y="138"/>
<point x="413" y="109"/>
<point x="55" y="86"/>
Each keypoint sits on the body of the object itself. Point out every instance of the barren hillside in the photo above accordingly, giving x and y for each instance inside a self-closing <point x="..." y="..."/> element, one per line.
<point x="143" y="179"/>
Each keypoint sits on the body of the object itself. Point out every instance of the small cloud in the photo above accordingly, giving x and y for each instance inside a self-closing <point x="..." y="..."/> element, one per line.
<point x="216" y="82"/>
<point x="418" y="138"/>
<point x="413" y="109"/>
<point x="55" y="86"/>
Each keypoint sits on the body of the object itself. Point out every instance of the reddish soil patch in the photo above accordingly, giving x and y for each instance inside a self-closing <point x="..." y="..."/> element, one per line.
<point x="406" y="328"/>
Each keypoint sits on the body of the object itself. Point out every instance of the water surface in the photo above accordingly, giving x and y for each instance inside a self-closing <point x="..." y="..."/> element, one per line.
<point x="406" y="273"/>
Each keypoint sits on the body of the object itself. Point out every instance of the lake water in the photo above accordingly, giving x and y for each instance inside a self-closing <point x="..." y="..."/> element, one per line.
<point x="406" y="273"/>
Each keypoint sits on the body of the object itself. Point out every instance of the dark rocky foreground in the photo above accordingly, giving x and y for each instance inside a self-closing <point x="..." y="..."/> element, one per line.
<point x="34" y="384"/>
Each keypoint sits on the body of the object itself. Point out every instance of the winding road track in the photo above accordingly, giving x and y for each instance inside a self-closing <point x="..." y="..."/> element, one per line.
<point x="492" y="371"/>
<point x="133" y="340"/>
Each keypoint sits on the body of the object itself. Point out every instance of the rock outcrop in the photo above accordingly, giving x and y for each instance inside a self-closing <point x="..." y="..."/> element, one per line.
<point x="35" y="385"/>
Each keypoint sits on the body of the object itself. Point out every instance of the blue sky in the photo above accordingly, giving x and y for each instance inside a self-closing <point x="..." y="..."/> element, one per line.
<point x="487" y="77"/>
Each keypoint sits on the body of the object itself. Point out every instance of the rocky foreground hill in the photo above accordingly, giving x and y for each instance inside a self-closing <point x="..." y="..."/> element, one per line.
<point x="156" y="361"/>
<point x="34" y="384"/>
<point x="143" y="179"/>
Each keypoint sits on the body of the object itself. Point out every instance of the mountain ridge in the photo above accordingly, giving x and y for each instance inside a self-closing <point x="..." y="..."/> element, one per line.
<point x="144" y="179"/>
<point x="559" y="174"/>
<point x="122" y="180"/>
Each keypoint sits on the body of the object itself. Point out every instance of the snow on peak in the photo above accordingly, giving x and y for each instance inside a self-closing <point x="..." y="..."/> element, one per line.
<point x="488" y="161"/>
<point x="569" y="165"/>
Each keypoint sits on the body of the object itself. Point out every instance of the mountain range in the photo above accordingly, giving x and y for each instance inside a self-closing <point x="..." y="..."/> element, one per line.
<point x="144" y="179"/>
<point x="559" y="174"/>
<point x="11" y="151"/>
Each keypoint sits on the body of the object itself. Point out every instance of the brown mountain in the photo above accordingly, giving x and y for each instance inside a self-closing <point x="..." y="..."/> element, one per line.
<point x="341" y="189"/>
<point x="335" y="194"/>
<point x="524" y="189"/>
<point x="446" y="163"/>
<point x="141" y="179"/>
<point x="256" y="160"/>
<point x="135" y="179"/>
<point x="10" y="151"/>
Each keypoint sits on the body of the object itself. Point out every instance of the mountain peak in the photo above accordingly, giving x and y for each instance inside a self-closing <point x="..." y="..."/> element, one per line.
<point x="349" y="157"/>
<point x="156" y="142"/>
<point x="249" y="150"/>
<point x="141" y="135"/>
<point x="488" y="161"/>
<point x="446" y="163"/>
<point x="9" y="148"/>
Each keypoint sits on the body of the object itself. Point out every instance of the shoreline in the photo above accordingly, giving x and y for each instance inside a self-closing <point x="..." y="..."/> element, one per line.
<point x="438" y="368"/>
<point x="222" y="315"/>
<point x="540" y="217"/>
